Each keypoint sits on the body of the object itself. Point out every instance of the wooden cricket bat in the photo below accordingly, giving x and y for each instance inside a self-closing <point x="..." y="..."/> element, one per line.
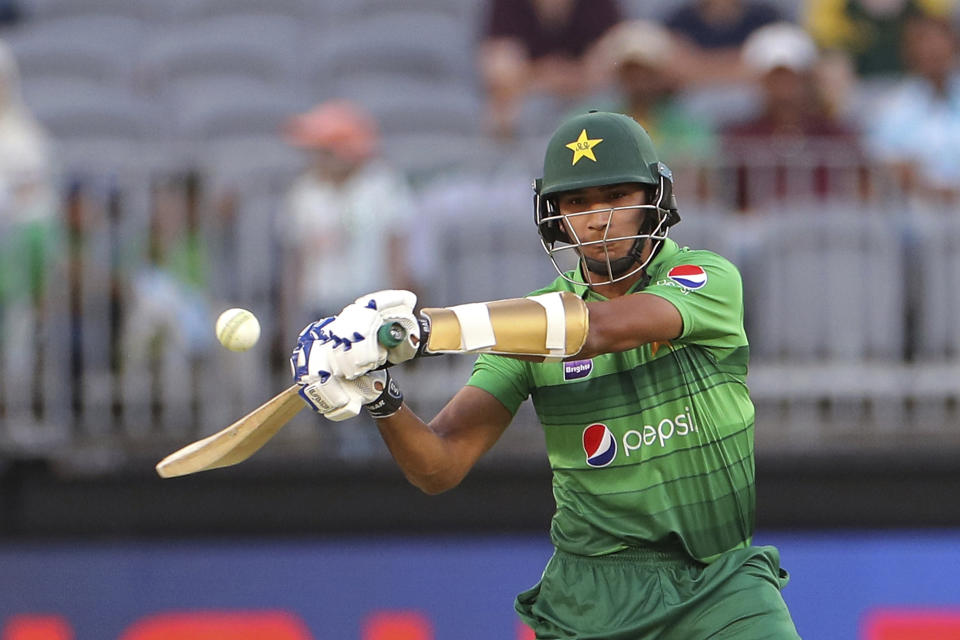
<point x="523" y="327"/>
<point x="247" y="435"/>
<point x="237" y="442"/>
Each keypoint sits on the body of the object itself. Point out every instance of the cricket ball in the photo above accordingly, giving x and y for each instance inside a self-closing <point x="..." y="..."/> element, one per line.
<point x="237" y="329"/>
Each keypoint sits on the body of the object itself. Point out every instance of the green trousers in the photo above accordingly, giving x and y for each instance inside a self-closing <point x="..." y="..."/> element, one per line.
<point x="643" y="594"/>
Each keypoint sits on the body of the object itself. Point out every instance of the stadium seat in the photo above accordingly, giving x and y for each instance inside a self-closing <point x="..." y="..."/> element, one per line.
<point x="95" y="126"/>
<point x="261" y="162"/>
<point x="233" y="107"/>
<point x="191" y="10"/>
<point x="348" y="11"/>
<point x="427" y="46"/>
<point x="97" y="48"/>
<point x="248" y="46"/>
<point x="829" y="288"/>
<point x="51" y="58"/>
<point x="424" y="156"/>
<point x="71" y="109"/>
<point x="402" y="105"/>
<point x="43" y="10"/>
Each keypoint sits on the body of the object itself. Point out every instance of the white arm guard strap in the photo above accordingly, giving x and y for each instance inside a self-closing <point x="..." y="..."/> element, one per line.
<point x="553" y="325"/>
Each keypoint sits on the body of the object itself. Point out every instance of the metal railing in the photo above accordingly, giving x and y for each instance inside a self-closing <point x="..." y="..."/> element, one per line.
<point x="107" y="354"/>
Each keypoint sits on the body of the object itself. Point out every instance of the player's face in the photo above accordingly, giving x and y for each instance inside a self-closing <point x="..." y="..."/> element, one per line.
<point x="595" y="217"/>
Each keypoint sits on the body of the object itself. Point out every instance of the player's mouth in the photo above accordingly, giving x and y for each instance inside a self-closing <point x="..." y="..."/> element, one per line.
<point x="600" y="250"/>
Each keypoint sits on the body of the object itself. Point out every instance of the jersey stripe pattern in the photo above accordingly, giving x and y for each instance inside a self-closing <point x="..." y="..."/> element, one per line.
<point x="653" y="445"/>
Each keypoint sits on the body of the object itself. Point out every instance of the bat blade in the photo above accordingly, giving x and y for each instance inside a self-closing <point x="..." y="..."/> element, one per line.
<point x="237" y="442"/>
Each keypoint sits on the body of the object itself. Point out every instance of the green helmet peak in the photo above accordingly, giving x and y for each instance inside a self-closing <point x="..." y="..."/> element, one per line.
<point x="598" y="148"/>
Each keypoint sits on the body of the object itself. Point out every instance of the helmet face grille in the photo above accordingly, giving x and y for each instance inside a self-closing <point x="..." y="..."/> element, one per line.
<point x="568" y="250"/>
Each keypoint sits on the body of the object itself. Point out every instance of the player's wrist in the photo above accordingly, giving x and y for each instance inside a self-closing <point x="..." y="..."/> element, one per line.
<point x="424" y="337"/>
<point x="388" y="403"/>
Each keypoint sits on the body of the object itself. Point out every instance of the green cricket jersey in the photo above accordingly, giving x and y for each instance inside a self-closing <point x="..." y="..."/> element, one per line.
<point x="656" y="443"/>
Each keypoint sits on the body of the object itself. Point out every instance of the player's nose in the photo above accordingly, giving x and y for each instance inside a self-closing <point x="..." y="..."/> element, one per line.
<point x="600" y="218"/>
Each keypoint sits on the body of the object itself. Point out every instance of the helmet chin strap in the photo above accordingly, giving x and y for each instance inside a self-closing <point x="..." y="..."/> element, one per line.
<point x="617" y="267"/>
<point x="620" y="266"/>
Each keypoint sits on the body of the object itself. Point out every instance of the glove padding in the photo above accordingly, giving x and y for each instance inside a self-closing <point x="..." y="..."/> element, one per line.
<point x="339" y="399"/>
<point x="332" y="396"/>
<point x="303" y="364"/>
<point x="356" y="349"/>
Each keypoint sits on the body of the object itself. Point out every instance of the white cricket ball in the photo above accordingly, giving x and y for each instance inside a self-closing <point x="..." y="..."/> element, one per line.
<point x="238" y="329"/>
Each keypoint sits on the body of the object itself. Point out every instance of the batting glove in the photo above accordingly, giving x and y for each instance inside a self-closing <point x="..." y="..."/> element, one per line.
<point x="332" y="396"/>
<point x="354" y="332"/>
<point x="339" y="399"/>
<point x="389" y="401"/>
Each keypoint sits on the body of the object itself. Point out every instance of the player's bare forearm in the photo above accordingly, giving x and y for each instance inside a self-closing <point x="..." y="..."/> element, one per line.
<point x="628" y="322"/>
<point x="435" y="457"/>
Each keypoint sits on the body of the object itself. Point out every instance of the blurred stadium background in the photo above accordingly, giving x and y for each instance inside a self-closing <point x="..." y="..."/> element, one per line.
<point x="852" y="294"/>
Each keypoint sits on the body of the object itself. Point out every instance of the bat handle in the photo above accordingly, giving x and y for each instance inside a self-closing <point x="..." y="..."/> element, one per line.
<point x="391" y="334"/>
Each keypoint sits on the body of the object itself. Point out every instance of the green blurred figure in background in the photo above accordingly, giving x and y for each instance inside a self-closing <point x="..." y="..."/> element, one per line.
<point x="28" y="229"/>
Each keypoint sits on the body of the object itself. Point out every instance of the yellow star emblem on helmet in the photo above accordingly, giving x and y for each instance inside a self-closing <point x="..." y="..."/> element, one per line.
<point x="583" y="146"/>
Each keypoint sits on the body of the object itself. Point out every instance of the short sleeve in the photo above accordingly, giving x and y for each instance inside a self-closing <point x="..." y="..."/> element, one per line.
<point x="707" y="291"/>
<point x="504" y="378"/>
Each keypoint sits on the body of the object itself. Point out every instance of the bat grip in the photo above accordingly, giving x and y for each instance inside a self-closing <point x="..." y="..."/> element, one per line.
<point x="391" y="334"/>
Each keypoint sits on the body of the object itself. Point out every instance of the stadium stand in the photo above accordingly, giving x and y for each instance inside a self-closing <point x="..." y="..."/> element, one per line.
<point x="850" y="293"/>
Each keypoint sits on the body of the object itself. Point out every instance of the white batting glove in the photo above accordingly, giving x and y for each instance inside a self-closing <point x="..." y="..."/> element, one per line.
<point x="356" y="349"/>
<point x="338" y="399"/>
<point x="332" y="396"/>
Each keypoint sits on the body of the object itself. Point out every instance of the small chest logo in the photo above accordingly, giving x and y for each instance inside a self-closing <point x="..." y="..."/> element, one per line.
<point x="599" y="445"/>
<point x="576" y="369"/>
<point x="689" y="276"/>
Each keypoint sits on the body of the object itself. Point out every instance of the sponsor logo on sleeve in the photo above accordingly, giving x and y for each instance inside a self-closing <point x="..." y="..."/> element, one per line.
<point x="688" y="276"/>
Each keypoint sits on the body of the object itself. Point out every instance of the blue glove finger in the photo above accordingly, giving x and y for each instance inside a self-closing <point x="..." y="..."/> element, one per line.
<point x="346" y="343"/>
<point x="315" y="331"/>
<point x="300" y="363"/>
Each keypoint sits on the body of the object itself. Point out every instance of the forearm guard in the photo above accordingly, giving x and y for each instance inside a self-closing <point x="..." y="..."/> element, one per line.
<point x="553" y="325"/>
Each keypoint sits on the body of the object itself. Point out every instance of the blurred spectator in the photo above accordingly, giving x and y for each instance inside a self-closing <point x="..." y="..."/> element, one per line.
<point x="28" y="220"/>
<point x="916" y="131"/>
<point x="344" y="222"/>
<point x="639" y="54"/>
<point x="26" y="184"/>
<point x="10" y="13"/>
<point x="711" y="33"/>
<point x="868" y="31"/>
<point x="793" y="133"/>
<point x="538" y="47"/>
<point x="168" y="308"/>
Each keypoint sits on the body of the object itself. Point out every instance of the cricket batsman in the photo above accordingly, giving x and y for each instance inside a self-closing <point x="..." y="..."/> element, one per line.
<point x="636" y="363"/>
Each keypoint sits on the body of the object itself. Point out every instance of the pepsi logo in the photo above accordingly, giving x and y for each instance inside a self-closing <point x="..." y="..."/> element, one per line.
<point x="689" y="276"/>
<point x="599" y="445"/>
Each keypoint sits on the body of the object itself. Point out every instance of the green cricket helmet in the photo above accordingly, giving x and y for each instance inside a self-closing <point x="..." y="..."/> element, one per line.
<point x="592" y="150"/>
